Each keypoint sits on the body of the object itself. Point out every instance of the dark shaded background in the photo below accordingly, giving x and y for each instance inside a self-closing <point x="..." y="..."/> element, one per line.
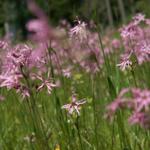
<point x="14" y="13"/>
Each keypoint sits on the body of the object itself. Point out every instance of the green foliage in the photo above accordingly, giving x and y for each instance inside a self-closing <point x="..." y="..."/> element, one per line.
<point x="61" y="9"/>
<point x="143" y="6"/>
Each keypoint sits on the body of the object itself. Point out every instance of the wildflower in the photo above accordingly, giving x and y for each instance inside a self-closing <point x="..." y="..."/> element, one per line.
<point x="24" y="91"/>
<point x="145" y="47"/>
<point x="139" y="104"/>
<point x="74" y="105"/>
<point x="4" y="45"/>
<point x="125" y="62"/>
<point x="45" y="83"/>
<point x="79" y="31"/>
<point x="66" y="73"/>
<point x="9" y="81"/>
<point x="140" y="118"/>
<point x="138" y="18"/>
<point x="142" y="51"/>
<point x="17" y="56"/>
<point x="116" y="43"/>
<point x="141" y="98"/>
<point x="147" y="21"/>
<point x="40" y="28"/>
<point x="118" y="103"/>
<point x="136" y="37"/>
<point x="90" y="66"/>
<point x="131" y="32"/>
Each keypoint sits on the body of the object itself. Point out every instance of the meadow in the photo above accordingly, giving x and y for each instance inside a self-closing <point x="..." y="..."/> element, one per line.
<point x="76" y="87"/>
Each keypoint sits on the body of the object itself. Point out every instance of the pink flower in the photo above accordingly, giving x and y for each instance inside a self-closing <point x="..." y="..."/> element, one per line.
<point x="40" y="29"/>
<point x="74" y="105"/>
<point x="125" y="62"/>
<point x="141" y="98"/>
<point x="135" y="38"/>
<point x="116" y="43"/>
<point x="17" y="56"/>
<point x="46" y="83"/>
<point x="139" y="105"/>
<point x="145" y="47"/>
<point x="147" y="21"/>
<point x="115" y="105"/>
<point x="138" y="18"/>
<point x="128" y="31"/>
<point x="66" y="72"/>
<point x="9" y="81"/>
<point x="140" y="118"/>
<point x="4" y="45"/>
<point x="24" y="91"/>
<point x="35" y="9"/>
<point x="79" y="31"/>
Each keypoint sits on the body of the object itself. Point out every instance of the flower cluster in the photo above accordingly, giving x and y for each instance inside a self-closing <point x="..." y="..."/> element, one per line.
<point x="138" y="103"/>
<point x="17" y="67"/>
<point x="135" y="37"/>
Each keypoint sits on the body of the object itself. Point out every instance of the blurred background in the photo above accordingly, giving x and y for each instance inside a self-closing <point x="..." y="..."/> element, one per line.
<point x="110" y="13"/>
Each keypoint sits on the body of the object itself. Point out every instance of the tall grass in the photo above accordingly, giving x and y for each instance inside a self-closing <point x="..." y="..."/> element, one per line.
<point x="38" y="121"/>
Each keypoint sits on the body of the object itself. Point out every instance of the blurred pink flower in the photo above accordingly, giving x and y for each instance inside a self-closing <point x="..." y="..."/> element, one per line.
<point x="141" y="98"/>
<point x="35" y="9"/>
<point x="147" y="21"/>
<point x="74" y="105"/>
<point x="79" y="31"/>
<point x="24" y="91"/>
<point x="130" y="32"/>
<point x="125" y="62"/>
<point x="138" y="18"/>
<point x="4" y="45"/>
<point x="40" y="30"/>
<point x="66" y="72"/>
<point x="116" y="43"/>
<point x="145" y="47"/>
<point x="136" y="37"/>
<point x="9" y="81"/>
<point x="39" y="27"/>
<point x="139" y="104"/>
<point x="119" y="102"/>
<point x="140" y="118"/>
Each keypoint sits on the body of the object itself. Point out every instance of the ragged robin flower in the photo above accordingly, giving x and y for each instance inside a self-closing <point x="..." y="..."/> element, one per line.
<point x="74" y="106"/>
